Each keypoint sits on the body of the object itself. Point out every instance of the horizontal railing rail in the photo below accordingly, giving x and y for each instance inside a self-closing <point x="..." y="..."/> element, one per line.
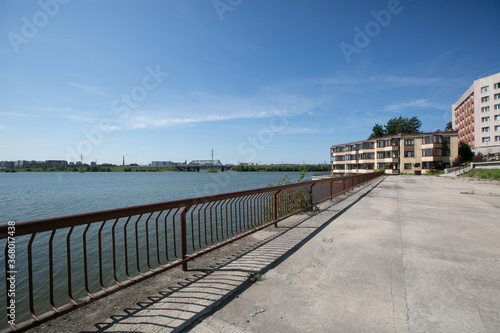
<point x="52" y="266"/>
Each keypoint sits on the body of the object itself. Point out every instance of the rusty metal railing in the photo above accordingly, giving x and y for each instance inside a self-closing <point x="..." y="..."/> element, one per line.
<point x="64" y="262"/>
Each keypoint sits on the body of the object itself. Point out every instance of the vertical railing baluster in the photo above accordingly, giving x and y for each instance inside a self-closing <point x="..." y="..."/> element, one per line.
<point x="113" y="244"/>
<point x="183" y="237"/>
<point x="85" y="268"/>
<point x="216" y="224"/>
<point x="148" y="254"/>
<point x="125" y="247"/>
<point x="137" y="254"/>
<point x="158" y="239"/>
<point x="51" y="271"/>
<point x="68" y="262"/>
<point x="275" y="208"/>
<point x="166" y="235"/>
<point x="192" y="231"/>
<point x="30" y="277"/>
<point x="99" y="240"/>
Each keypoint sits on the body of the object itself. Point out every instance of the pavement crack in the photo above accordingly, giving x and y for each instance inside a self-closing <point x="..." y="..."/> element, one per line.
<point x="405" y="280"/>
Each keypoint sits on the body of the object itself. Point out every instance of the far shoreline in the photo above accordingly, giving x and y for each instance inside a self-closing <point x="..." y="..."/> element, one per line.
<point x="237" y="168"/>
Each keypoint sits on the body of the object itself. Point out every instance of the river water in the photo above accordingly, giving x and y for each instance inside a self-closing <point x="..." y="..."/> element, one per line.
<point x="30" y="196"/>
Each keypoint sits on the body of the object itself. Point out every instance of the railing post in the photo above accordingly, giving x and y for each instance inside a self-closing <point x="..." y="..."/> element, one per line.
<point x="275" y="208"/>
<point x="331" y="190"/>
<point x="184" y="237"/>
<point x="311" y="194"/>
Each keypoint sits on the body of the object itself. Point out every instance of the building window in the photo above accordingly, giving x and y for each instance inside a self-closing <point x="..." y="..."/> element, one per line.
<point x="384" y="143"/>
<point x="409" y="142"/>
<point x="485" y="89"/>
<point x="409" y="153"/>
<point x="408" y="166"/>
<point x="497" y="117"/>
<point x="497" y="128"/>
<point x="485" y="99"/>
<point x="485" y="129"/>
<point x="446" y="140"/>
<point x="485" y="109"/>
<point x="497" y="96"/>
<point x="446" y="152"/>
<point x="426" y="152"/>
<point x="497" y="85"/>
<point x="486" y="139"/>
<point x="497" y="106"/>
<point x="368" y="145"/>
<point x="485" y="119"/>
<point x="497" y="138"/>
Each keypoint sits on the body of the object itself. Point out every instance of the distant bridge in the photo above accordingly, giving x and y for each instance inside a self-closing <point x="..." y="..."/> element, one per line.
<point x="197" y="167"/>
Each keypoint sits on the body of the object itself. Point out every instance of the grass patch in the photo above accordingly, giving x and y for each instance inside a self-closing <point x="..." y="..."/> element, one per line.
<point x="254" y="277"/>
<point x="487" y="174"/>
<point x="433" y="172"/>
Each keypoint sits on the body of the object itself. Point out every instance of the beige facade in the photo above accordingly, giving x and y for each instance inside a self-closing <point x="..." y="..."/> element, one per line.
<point x="405" y="153"/>
<point x="476" y="115"/>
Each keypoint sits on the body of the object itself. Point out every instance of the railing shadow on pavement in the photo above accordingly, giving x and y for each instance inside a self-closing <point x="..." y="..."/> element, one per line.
<point x="181" y="308"/>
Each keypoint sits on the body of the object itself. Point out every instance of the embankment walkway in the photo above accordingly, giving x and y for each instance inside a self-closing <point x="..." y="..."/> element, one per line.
<point x="403" y="254"/>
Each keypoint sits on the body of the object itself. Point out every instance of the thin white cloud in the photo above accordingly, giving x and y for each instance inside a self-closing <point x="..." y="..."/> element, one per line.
<point x="109" y="127"/>
<point x="387" y="79"/>
<point x="88" y="90"/>
<point x="81" y="119"/>
<point x="55" y="109"/>
<point x="159" y="120"/>
<point x="419" y="103"/>
<point x="297" y="130"/>
<point x="201" y="107"/>
<point x="13" y="114"/>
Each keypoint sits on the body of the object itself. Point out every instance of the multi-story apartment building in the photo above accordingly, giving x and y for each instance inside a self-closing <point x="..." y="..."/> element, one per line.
<point x="404" y="153"/>
<point x="476" y="115"/>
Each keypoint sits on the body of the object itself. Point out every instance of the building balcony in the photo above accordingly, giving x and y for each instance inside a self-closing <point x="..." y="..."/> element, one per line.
<point x="432" y="158"/>
<point x="431" y="145"/>
<point x="388" y="160"/>
<point x="388" y="148"/>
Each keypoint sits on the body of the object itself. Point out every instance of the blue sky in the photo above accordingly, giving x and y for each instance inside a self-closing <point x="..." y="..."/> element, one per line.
<point x="257" y="81"/>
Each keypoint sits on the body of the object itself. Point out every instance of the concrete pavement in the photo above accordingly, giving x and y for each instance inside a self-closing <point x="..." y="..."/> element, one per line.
<point x="404" y="254"/>
<point x="416" y="254"/>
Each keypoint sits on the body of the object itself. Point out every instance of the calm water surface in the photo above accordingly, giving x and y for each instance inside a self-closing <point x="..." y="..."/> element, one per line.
<point x="29" y="196"/>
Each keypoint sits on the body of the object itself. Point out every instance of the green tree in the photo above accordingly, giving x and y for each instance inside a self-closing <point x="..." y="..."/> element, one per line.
<point x="465" y="152"/>
<point x="449" y="127"/>
<point x="377" y="131"/>
<point x="402" y="125"/>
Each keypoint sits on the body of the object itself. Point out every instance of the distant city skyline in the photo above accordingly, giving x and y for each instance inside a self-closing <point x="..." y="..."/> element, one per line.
<point x="257" y="81"/>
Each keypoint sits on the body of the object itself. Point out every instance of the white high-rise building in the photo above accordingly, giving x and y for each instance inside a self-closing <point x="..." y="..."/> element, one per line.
<point x="476" y="115"/>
